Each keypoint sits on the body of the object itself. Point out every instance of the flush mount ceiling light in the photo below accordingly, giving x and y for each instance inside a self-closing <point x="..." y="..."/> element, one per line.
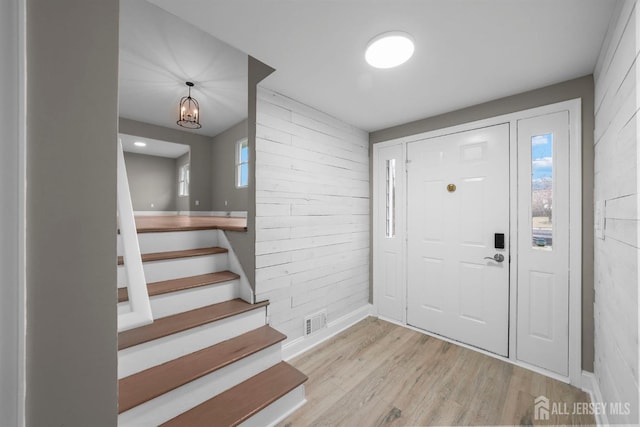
<point x="189" y="111"/>
<point x="140" y="144"/>
<point x="389" y="50"/>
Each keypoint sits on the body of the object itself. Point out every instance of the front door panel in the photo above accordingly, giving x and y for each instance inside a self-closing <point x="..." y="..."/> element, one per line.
<point x="458" y="199"/>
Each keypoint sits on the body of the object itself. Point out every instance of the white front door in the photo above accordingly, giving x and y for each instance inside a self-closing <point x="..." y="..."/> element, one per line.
<point x="458" y="207"/>
<point x="543" y="248"/>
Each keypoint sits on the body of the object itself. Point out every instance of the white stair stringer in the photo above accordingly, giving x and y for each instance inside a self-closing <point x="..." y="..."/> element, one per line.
<point x="188" y="299"/>
<point x="278" y="410"/>
<point x="246" y="292"/>
<point x="177" y="240"/>
<point x="175" y="402"/>
<point x="146" y="355"/>
<point x="157" y="271"/>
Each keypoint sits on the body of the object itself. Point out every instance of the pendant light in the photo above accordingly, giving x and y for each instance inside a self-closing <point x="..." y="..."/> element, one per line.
<point x="189" y="111"/>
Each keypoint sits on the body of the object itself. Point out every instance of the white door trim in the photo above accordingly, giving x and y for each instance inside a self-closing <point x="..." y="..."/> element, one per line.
<point x="574" y="107"/>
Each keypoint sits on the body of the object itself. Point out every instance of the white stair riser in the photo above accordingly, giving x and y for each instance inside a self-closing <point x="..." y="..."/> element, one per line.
<point x="156" y="271"/>
<point x="175" y="402"/>
<point x="177" y="302"/>
<point x="173" y="241"/>
<point x="278" y="410"/>
<point x="143" y="356"/>
<point x="177" y="240"/>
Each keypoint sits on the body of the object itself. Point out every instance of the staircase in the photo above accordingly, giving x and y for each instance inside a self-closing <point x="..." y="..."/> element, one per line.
<point x="209" y="358"/>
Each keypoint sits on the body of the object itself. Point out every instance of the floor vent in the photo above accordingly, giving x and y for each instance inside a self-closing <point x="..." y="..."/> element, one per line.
<point x="315" y="322"/>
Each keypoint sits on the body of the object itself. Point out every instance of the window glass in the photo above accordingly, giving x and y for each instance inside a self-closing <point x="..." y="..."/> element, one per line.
<point x="242" y="163"/>
<point x="542" y="191"/>
<point x="391" y="198"/>
<point x="183" y="181"/>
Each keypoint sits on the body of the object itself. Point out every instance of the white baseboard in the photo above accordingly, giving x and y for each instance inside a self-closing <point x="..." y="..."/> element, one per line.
<point x="231" y="214"/>
<point x="155" y="213"/>
<point x="590" y="385"/>
<point x="303" y="344"/>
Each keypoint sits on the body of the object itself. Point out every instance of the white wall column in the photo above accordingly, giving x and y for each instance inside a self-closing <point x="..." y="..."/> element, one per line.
<point x="12" y="174"/>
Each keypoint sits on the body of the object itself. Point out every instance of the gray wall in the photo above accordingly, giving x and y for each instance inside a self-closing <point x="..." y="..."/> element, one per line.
<point x="200" y="187"/>
<point x="223" y="171"/>
<point x="152" y="181"/>
<point x="11" y="303"/>
<point x="577" y="88"/>
<point x="72" y="129"/>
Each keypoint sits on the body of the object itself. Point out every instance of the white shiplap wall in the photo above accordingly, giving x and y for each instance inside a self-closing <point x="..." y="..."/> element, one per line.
<point x="616" y="186"/>
<point x="312" y="213"/>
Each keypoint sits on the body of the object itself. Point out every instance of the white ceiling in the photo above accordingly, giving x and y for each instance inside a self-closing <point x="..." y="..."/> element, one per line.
<point x="467" y="51"/>
<point x="159" y="53"/>
<point x="154" y="147"/>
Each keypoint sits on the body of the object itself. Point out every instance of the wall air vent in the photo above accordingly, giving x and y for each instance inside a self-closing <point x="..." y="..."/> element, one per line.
<point x="315" y="322"/>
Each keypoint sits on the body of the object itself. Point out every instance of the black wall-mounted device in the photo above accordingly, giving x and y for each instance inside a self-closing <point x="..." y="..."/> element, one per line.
<point x="498" y="240"/>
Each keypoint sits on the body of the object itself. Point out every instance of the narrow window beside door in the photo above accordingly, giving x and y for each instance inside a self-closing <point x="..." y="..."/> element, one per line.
<point x="391" y="198"/>
<point x="242" y="163"/>
<point x="542" y="191"/>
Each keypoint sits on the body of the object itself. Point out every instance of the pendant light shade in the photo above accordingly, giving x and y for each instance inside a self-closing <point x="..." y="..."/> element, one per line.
<point x="189" y="111"/>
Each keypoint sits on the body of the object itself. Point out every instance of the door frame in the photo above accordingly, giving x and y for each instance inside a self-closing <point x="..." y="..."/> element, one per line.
<point x="574" y="107"/>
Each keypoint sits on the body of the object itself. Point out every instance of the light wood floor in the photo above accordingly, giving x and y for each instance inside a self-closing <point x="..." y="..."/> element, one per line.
<point x="380" y="374"/>
<point x="155" y="223"/>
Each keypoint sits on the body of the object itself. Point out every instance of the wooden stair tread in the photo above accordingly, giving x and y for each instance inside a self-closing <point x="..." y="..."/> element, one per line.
<point x="182" y="321"/>
<point x="159" y="256"/>
<point x="153" y="382"/>
<point x="244" y="400"/>
<point x="166" y="286"/>
<point x="191" y="228"/>
<point x="159" y="224"/>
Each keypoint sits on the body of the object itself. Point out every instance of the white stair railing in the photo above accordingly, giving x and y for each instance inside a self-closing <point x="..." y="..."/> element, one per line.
<point x="140" y="313"/>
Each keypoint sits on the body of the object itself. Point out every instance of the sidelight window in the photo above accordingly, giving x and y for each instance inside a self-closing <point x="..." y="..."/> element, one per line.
<point x="391" y="198"/>
<point x="542" y="191"/>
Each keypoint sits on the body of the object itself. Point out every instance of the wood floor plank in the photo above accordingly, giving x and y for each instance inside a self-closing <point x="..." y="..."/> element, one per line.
<point x="167" y="286"/>
<point x="244" y="400"/>
<point x="420" y="380"/>
<point x="153" y="382"/>
<point x="183" y="321"/>
<point x="187" y="253"/>
<point x="321" y="393"/>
